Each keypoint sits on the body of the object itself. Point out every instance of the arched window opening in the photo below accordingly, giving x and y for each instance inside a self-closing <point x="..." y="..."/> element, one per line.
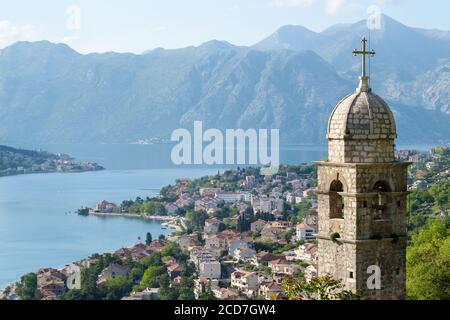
<point x="336" y="200"/>
<point x="382" y="207"/>
<point x="381" y="186"/>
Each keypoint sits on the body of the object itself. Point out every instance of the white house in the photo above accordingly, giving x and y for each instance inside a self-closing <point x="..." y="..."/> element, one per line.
<point x="258" y="225"/>
<point x="147" y="294"/>
<point x="309" y="192"/>
<point x="235" y="243"/>
<point x="245" y="281"/>
<point x="106" y="207"/>
<point x="233" y="196"/>
<point x="112" y="271"/>
<point x="210" y="269"/>
<point x="282" y="266"/>
<point x="216" y="242"/>
<point x="307" y="253"/>
<point x="170" y="208"/>
<point x="265" y="205"/>
<point x="201" y="254"/>
<point x="305" y="232"/>
<point x="279" y="205"/>
<point x="206" y="204"/>
<point x="187" y="241"/>
<point x="212" y="225"/>
<point x="310" y="272"/>
<point x="209" y="192"/>
<point x="290" y="198"/>
<point x="250" y="181"/>
<point x="245" y="254"/>
<point x="225" y="293"/>
<point x="271" y="290"/>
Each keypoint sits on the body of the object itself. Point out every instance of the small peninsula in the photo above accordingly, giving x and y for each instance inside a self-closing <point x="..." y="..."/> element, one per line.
<point x="19" y="161"/>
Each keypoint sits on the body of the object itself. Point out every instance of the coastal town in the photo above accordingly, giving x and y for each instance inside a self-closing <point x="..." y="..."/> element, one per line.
<point x="236" y="235"/>
<point x="19" y="161"/>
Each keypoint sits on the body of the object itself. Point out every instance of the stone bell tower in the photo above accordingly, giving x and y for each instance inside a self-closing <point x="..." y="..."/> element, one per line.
<point x="362" y="196"/>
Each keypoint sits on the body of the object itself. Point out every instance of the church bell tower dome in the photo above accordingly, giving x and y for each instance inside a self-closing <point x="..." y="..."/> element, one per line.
<point x="362" y="115"/>
<point x="362" y="126"/>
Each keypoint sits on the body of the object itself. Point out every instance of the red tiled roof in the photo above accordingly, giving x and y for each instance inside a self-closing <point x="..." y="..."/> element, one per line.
<point x="259" y="222"/>
<point x="174" y="267"/>
<point x="278" y="261"/>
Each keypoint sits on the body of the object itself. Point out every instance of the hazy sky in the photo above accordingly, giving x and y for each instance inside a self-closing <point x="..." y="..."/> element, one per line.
<point x="139" y="25"/>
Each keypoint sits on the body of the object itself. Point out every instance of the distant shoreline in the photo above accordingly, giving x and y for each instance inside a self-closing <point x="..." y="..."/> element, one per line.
<point x="17" y="162"/>
<point x="131" y="215"/>
<point x="169" y="222"/>
<point x="48" y="172"/>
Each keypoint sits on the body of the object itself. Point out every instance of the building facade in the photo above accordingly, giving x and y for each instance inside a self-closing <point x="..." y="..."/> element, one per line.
<point x="305" y="232"/>
<point x="210" y="269"/>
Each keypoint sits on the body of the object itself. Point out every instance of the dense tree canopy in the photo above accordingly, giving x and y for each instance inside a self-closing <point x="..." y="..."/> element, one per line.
<point x="27" y="287"/>
<point x="321" y="288"/>
<point x="117" y="287"/>
<point x="428" y="263"/>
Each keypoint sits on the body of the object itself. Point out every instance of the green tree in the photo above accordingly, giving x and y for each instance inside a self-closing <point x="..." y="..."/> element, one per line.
<point x="426" y="205"/>
<point x="151" y="277"/>
<point x="148" y="238"/>
<point x="186" y="289"/>
<point x="117" y="288"/>
<point x="168" y="293"/>
<point x="242" y="224"/>
<point x="245" y="219"/>
<point x="266" y="216"/>
<point x="288" y="235"/>
<point x="186" y="294"/>
<point x="428" y="263"/>
<point x="74" y="294"/>
<point x="136" y="274"/>
<point x="89" y="278"/>
<point x="27" y="287"/>
<point x="153" y="208"/>
<point x="321" y="288"/>
<point x="155" y="259"/>
<point x="173" y="250"/>
<point x="208" y="294"/>
<point x="196" y="220"/>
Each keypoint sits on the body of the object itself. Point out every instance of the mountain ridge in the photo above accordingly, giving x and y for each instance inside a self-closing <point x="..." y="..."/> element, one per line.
<point x="51" y="93"/>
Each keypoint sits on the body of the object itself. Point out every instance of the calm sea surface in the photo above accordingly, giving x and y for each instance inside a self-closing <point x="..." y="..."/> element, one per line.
<point x="38" y="227"/>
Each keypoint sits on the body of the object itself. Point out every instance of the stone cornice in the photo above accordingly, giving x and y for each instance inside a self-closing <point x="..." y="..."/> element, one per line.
<point x="362" y="165"/>
<point x="373" y="194"/>
<point x="321" y="237"/>
<point x="366" y="194"/>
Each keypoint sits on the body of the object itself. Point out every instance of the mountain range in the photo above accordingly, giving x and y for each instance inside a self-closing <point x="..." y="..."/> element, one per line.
<point x="291" y="80"/>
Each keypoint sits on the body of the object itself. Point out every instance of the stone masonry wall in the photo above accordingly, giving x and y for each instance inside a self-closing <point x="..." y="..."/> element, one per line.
<point x="369" y="236"/>
<point x="361" y="151"/>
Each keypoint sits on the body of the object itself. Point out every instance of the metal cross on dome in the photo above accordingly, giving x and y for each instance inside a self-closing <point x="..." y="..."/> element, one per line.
<point x="364" y="53"/>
